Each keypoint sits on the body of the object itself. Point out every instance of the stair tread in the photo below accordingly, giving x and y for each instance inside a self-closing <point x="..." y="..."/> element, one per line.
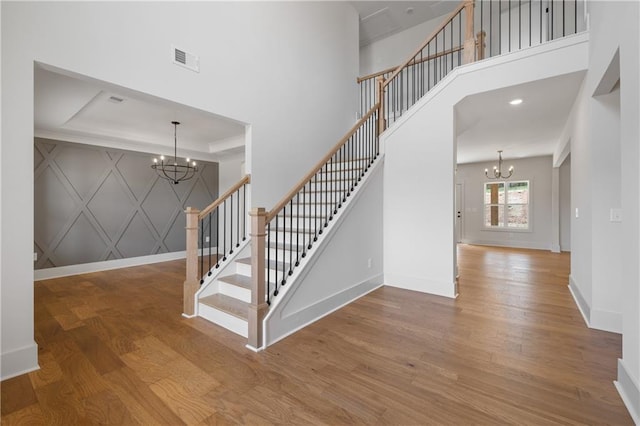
<point x="230" y="305"/>
<point x="238" y="280"/>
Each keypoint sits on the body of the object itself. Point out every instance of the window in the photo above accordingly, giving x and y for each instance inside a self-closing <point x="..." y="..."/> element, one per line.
<point x="506" y="204"/>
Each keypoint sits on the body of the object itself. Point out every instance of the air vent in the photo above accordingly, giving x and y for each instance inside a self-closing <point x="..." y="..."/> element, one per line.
<point x="185" y="59"/>
<point x="115" y="99"/>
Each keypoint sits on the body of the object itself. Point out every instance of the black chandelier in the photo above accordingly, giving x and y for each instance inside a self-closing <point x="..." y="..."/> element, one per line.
<point x="172" y="171"/>
<point x="497" y="170"/>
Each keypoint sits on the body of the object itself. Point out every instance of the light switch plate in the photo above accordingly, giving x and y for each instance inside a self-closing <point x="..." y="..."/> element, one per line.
<point x="615" y="215"/>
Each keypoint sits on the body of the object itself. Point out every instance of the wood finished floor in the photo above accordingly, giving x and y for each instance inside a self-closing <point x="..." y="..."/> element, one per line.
<point x="512" y="349"/>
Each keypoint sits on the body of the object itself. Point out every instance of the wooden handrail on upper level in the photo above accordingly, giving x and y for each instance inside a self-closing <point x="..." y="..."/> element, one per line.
<point x="302" y="182"/>
<point x="411" y="63"/>
<point x="428" y="40"/>
<point x="245" y="180"/>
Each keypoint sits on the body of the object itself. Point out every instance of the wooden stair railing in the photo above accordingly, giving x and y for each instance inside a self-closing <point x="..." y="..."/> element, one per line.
<point x="451" y="44"/>
<point x="223" y="221"/>
<point x="298" y="220"/>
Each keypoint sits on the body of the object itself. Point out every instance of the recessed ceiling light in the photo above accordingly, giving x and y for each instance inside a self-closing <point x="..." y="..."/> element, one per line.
<point x="516" y="102"/>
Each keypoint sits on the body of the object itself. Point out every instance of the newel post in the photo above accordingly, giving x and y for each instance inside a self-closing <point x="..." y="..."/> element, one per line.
<point x="380" y="100"/>
<point x="469" y="39"/>
<point x="481" y="44"/>
<point x="258" y="306"/>
<point x="191" y="283"/>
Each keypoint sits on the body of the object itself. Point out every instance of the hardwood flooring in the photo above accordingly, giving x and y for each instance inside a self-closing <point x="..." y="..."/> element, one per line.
<point x="512" y="349"/>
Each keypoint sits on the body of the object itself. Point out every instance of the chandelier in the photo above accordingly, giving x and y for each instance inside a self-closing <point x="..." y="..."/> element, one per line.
<point x="497" y="170"/>
<point x="172" y="170"/>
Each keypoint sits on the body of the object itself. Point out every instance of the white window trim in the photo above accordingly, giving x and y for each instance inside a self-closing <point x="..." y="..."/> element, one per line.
<point x="529" y="229"/>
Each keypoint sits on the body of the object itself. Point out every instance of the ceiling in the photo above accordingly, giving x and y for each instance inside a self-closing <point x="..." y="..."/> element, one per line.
<point x="486" y="122"/>
<point x="79" y="110"/>
<point x="380" y="19"/>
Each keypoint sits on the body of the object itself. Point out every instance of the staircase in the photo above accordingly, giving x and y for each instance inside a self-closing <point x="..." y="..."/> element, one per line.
<point x="230" y="306"/>
<point x="247" y="278"/>
<point x="225" y="298"/>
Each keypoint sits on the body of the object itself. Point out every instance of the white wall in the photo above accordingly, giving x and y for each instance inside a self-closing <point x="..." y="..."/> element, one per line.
<point x="614" y="27"/>
<point x="606" y="257"/>
<point x="537" y="170"/>
<point x="230" y="171"/>
<point x="565" y="205"/>
<point x="286" y="68"/>
<point x="580" y="278"/>
<point x="418" y="254"/>
<point x="418" y="208"/>
<point x="393" y="50"/>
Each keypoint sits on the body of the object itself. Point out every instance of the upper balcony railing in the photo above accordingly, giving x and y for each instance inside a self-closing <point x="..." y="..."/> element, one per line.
<point x="475" y="30"/>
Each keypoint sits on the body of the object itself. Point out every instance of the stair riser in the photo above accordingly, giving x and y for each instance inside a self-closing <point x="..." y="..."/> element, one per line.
<point x="298" y="222"/>
<point x="288" y="237"/>
<point x="323" y="197"/>
<point x="306" y="209"/>
<point x="244" y="269"/>
<point x="223" y="319"/>
<point x="285" y="254"/>
<point x="338" y="174"/>
<point x="234" y="291"/>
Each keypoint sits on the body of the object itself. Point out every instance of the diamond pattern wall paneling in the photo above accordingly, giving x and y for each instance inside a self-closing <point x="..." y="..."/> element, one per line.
<point x="94" y="204"/>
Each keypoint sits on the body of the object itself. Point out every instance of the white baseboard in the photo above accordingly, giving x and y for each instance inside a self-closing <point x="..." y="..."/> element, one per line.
<point x="85" y="268"/>
<point x="629" y="391"/>
<point x="439" y="288"/>
<point x="581" y="303"/>
<point x="251" y="348"/>
<point x="606" y="321"/>
<point x="509" y="244"/>
<point x="595" y="318"/>
<point x="19" y="361"/>
<point x="555" y="248"/>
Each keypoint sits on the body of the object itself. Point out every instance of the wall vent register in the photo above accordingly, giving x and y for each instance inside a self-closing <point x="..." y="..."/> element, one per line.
<point x="185" y="59"/>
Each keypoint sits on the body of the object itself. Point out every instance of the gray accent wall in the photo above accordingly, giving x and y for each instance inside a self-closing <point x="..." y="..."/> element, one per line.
<point x="94" y="204"/>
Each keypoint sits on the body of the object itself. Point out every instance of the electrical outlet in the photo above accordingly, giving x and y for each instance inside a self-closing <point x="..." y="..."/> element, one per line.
<point x="577" y="213"/>
<point x="35" y="256"/>
<point x="369" y="263"/>
<point x="206" y="239"/>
